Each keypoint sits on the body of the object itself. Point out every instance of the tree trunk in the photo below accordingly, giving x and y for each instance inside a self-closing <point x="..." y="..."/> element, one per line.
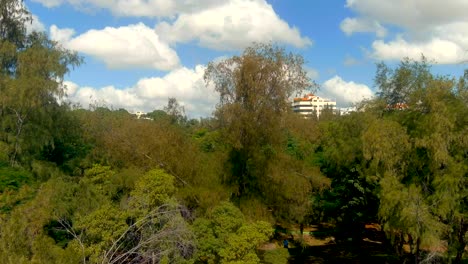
<point x="416" y="255"/>
<point x="19" y="128"/>
<point x="461" y="241"/>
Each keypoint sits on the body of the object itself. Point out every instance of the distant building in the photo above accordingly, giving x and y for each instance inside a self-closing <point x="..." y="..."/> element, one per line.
<point x="139" y="114"/>
<point x="312" y="105"/>
<point x="346" y="110"/>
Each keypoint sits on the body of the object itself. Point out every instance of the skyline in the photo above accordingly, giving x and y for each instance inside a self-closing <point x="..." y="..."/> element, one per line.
<point x="139" y="53"/>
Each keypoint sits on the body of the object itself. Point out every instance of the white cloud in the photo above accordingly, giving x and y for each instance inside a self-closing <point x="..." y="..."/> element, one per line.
<point x="143" y="8"/>
<point x="62" y="36"/>
<point x="411" y="14"/>
<point x="234" y="25"/>
<point x="221" y="25"/>
<point x="440" y="50"/>
<point x="49" y="3"/>
<point x="70" y="87"/>
<point x="437" y="29"/>
<point x="353" y="25"/>
<point x="345" y="93"/>
<point x="35" y="25"/>
<point x="123" y="47"/>
<point x="186" y="85"/>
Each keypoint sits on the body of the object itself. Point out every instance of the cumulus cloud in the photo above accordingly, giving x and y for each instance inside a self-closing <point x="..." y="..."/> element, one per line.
<point x="186" y="85"/>
<point x="129" y="46"/>
<point x="61" y="35"/>
<point x="345" y="93"/>
<point x="440" y="50"/>
<point x="353" y="25"/>
<point x="437" y="29"/>
<point x="220" y="25"/>
<point x="411" y="14"/>
<point x="231" y="26"/>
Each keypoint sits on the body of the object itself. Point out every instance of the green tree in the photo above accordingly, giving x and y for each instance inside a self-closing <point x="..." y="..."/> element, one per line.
<point x="254" y="89"/>
<point x="31" y="80"/>
<point x="175" y="111"/>
<point x="226" y="237"/>
<point x="29" y="95"/>
<point x="351" y="201"/>
<point x="418" y="154"/>
<point x="403" y="84"/>
<point x="154" y="189"/>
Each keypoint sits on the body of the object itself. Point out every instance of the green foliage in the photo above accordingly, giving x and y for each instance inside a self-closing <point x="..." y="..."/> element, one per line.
<point x="225" y="237"/>
<point x="401" y="159"/>
<point x="403" y="84"/>
<point x="352" y="199"/>
<point x="101" y="228"/>
<point x="153" y="189"/>
<point x="14" y="187"/>
<point x="13" y="25"/>
<point x="424" y="168"/>
<point x="242" y="244"/>
<point x="254" y="90"/>
<point x="276" y="256"/>
<point x="32" y="68"/>
<point x="175" y="112"/>
<point x="13" y="178"/>
<point x="100" y="177"/>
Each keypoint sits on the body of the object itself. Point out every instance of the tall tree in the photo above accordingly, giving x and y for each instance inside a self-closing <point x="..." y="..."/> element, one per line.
<point x="419" y="155"/>
<point x="254" y="89"/>
<point x="13" y="19"/>
<point x="31" y="75"/>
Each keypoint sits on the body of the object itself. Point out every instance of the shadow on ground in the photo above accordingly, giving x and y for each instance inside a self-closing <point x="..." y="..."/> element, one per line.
<point x="346" y="252"/>
<point x="323" y="244"/>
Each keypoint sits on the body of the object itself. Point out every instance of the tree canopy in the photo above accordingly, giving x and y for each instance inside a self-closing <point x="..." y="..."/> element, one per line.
<point x="102" y="186"/>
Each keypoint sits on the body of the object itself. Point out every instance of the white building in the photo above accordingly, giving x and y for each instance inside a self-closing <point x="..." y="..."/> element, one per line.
<point x="347" y="110"/>
<point x="311" y="104"/>
<point x="139" y="114"/>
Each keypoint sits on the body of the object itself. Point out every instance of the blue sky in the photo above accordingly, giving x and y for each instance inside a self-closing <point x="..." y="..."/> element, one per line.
<point x="139" y="53"/>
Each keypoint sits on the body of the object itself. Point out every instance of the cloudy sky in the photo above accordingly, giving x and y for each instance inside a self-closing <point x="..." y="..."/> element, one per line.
<point x="138" y="53"/>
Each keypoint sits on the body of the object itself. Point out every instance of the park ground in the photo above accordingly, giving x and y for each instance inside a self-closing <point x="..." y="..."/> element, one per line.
<point x="322" y="244"/>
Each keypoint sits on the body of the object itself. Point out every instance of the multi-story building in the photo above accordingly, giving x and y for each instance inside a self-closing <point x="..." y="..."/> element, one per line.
<point x="312" y="105"/>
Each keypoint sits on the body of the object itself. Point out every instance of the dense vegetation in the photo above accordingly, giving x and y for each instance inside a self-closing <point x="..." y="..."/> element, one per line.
<point x="101" y="186"/>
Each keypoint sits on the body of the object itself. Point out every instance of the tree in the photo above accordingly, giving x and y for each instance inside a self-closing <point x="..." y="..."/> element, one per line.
<point x="419" y="155"/>
<point x="32" y="68"/>
<point x="153" y="189"/>
<point x="13" y="19"/>
<point x="254" y="89"/>
<point x="31" y="75"/>
<point x="175" y="111"/>
<point x="226" y="237"/>
<point x="352" y="199"/>
<point x="399" y="86"/>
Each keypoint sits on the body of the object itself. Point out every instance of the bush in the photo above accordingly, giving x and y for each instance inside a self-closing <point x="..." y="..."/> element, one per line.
<point x="277" y="256"/>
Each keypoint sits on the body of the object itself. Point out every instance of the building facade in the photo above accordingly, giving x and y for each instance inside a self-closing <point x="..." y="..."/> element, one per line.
<point x="311" y="104"/>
